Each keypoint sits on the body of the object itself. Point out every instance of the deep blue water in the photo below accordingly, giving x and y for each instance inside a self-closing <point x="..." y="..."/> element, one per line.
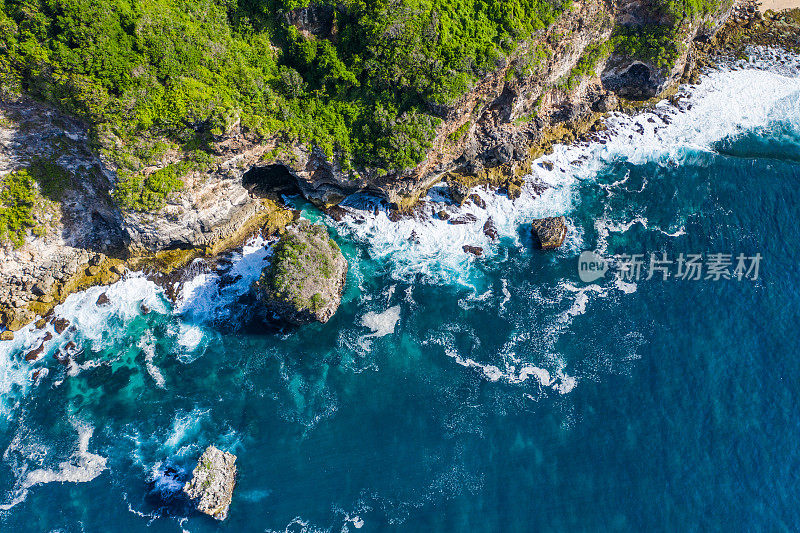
<point x="455" y="394"/>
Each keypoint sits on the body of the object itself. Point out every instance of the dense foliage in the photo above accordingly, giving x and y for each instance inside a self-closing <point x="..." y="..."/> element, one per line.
<point x="17" y="197"/>
<point x="155" y="75"/>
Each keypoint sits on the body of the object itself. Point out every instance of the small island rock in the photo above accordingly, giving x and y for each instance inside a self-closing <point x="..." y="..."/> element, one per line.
<point x="213" y="479"/>
<point x="305" y="278"/>
<point x="549" y="232"/>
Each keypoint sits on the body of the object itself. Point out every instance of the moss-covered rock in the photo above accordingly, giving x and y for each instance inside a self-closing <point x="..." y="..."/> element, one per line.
<point x="305" y="278"/>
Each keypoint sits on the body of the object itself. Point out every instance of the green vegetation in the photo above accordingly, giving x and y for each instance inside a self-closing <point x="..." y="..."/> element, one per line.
<point x="585" y="65"/>
<point x="458" y="134"/>
<point x="53" y="179"/>
<point x="299" y="261"/>
<point x="317" y="302"/>
<point x="27" y="192"/>
<point x="17" y="199"/>
<point x="158" y="75"/>
<point x="660" y="43"/>
<point x="139" y="192"/>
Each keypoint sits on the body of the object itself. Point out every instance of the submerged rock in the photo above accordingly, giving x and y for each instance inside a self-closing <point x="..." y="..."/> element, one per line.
<point x="549" y="232"/>
<point x="213" y="479"/>
<point x="304" y="281"/>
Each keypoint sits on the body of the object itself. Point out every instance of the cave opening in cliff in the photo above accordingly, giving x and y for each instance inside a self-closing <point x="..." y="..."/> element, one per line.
<point x="270" y="179"/>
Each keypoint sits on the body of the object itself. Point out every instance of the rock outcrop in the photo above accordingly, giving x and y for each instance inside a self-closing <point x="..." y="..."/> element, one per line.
<point x="305" y="279"/>
<point x="549" y="232"/>
<point x="213" y="479"/>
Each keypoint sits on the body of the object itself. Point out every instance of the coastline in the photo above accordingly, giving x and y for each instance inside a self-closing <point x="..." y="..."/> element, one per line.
<point x="31" y="299"/>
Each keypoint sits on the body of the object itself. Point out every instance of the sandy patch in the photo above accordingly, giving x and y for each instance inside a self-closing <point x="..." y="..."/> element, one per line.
<point x="778" y="5"/>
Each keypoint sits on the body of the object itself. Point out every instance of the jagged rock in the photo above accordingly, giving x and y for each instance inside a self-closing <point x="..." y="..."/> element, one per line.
<point x="490" y="230"/>
<point x="60" y="325"/>
<point x="477" y="200"/>
<point x="635" y="80"/>
<point x="93" y="270"/>
<point x="144" y="309"/>
<point x="395" y="216"/>
<point x="443" y="215"/>
<point x="606" y="103"/>
<point x="336" y="212"/>
<point x="38" y="373"/>
<point x="213" y="479"/>
<point x="513" y="190"/>
<point x="316" y="20"/>
<point x="305" y="278"/>
<point x="102" y="299"/>
<point x="549" y="232"/>
<point x="458" y="191"/>
<point x="6" y="335"/>
<point x="467" y="218"/>
<point x="477" y="251"/>
<point x="35" y="354"/>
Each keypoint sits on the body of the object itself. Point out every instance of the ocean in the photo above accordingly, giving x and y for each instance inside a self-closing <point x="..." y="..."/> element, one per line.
<point x="455" y="393"/>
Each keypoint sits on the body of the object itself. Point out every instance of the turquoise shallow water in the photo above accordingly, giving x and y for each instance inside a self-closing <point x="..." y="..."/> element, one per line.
<point x="453" y="394"/>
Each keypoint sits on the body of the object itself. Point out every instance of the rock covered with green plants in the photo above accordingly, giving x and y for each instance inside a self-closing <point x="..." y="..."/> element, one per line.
<point x="306" y="276"/>
<point x="213" y="479"/>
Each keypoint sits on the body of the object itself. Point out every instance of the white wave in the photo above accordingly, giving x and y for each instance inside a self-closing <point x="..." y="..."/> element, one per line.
<point x="381" y="324"/>
<point x="729" y="101"/>
<point x="99" y="324"/>
<point x="89" y="323"/>
<point x="211" y="296"/>
<point x="83" y="466"/>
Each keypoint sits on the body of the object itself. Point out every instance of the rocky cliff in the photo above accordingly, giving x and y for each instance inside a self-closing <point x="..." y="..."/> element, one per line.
<point x="550" y="89"/>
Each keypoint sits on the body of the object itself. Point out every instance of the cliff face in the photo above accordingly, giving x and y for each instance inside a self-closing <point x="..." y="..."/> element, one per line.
<point x="552" y="85"/>
<point x="558" y="79"/>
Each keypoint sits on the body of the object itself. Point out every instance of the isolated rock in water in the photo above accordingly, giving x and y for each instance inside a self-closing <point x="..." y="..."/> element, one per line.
<point x="305" y="278"/>
<point x="213" y="479"/>
<point x="490" y="230"/>
<point x="477" y="251"/>
<point x="467" y="218"/>
<point x="549" y="232"/>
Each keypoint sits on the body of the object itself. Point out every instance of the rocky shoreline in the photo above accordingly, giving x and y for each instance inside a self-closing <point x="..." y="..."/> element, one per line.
<point x="490" y="137"/>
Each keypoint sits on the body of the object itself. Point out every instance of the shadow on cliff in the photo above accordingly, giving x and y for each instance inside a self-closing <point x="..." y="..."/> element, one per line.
<point x="76" y="205"/>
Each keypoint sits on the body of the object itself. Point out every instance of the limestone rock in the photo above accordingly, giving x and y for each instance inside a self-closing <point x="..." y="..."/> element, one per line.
<point x="305" y="278"/>
<point x="549" y="232"/>
<point x="6" y="335"/>
<point x="213" y="479"/>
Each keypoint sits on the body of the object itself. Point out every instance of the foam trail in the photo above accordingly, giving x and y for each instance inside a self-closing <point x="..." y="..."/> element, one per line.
<point x="83" y="466"/>
<point x="741" y="97"/>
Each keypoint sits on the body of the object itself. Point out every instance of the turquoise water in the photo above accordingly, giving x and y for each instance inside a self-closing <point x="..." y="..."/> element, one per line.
<point x="455" y="394"/>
